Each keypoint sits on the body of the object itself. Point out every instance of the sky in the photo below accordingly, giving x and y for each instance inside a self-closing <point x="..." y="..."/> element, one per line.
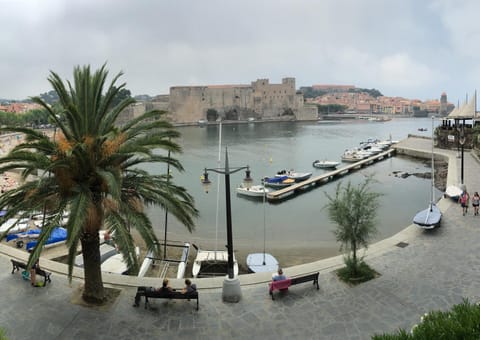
<point x="406" y="48"/>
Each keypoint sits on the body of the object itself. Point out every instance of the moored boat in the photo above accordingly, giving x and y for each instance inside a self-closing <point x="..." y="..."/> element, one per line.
<point x="278" y="182"/>
<point x="297" y="176"/>
<point x="208" y="258"/>
<point x="325" y="164"/>
<point x="262" y="263"/>
<point x="253" y="191"/>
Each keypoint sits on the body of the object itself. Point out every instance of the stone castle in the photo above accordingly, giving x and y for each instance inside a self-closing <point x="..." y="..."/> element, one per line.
<point x="259" y="100"/>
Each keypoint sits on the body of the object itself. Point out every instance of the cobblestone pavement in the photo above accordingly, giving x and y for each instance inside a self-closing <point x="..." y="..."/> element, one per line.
<point x="434" y="271"/>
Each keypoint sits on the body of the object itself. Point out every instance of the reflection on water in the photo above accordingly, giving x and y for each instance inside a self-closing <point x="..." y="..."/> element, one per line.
<point x="301" y="222"/>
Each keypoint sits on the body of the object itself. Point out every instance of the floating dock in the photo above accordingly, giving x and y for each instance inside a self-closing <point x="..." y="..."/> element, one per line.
<point x="281" y="194"/>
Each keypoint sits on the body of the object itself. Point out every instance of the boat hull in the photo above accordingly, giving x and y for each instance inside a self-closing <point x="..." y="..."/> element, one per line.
<point x="325" y="164"/>
<point x="429" y="218"/>
<point x="262" y="263"/>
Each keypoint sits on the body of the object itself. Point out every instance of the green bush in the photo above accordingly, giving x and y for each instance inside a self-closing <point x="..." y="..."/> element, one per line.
<point x="461" y="322"/>
<point x="2" y="334"/>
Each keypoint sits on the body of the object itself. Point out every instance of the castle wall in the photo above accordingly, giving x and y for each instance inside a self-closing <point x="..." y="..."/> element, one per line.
<point x="260" y="100"/>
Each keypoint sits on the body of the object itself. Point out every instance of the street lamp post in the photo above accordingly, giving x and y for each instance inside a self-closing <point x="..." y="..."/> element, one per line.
<point x="231" y="285"/>
<point x="461" y="140"/>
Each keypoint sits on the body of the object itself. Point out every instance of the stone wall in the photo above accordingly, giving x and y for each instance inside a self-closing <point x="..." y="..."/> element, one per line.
<point x="260" y="100"/>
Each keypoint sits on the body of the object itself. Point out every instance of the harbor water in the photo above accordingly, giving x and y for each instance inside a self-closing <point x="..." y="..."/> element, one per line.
<point x="296" y="230"/>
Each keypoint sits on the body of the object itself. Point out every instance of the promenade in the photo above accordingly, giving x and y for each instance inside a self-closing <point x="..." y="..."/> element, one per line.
<point x="420" y="271"/>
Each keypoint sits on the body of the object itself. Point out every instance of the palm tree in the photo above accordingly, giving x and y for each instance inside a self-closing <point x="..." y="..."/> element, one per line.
<point x="91" y="168"/>
<point x="354" y="210"/>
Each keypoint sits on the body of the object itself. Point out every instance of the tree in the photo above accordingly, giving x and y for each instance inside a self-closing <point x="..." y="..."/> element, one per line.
<point x="353" y="209"/>
<point x="92" y="169"/>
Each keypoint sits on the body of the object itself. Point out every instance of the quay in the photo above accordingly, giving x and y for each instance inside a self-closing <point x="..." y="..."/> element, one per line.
<point x="326" y="177"/>
<point x="420" y="271"/>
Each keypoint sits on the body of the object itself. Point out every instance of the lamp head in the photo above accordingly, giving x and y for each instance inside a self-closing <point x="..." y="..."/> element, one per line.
<point x="205" y="181"/>
<point x="247" y="181"/>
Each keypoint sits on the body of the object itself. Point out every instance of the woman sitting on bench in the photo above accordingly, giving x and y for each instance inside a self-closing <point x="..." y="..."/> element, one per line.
<point x="279" y="276"/>
<point x="33" y="273"/>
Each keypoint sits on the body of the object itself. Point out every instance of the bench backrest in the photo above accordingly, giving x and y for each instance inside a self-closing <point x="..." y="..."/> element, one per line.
<point x="171" y="295"/>
<point x="306" y="278"/>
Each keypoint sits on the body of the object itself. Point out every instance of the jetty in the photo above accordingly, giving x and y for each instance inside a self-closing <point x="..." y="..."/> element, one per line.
<point x="303" y="186"/>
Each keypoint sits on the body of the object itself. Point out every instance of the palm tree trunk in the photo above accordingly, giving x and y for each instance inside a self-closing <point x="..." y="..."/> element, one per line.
<point x="93" y="291"/>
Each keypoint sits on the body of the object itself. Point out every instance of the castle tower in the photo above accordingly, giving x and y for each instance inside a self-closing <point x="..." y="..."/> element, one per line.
<point x="443" y="104"/>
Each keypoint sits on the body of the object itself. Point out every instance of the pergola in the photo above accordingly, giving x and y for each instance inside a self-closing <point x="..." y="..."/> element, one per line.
<point x="460" y="115"/>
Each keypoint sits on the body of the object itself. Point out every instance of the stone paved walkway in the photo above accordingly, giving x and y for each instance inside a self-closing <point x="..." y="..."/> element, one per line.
<point x="434" y="271"/>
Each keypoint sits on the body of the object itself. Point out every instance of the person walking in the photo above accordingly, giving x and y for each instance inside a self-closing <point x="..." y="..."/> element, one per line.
<point x="475" y="203"/>
<point x="463" y="199"/>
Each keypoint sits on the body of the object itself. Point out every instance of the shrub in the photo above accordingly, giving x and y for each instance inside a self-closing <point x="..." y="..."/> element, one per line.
<point x="461" y="322"/>
<point x="355" y="273"/>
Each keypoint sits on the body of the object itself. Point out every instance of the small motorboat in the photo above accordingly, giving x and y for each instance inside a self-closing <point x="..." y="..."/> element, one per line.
<point x="253" y="191"/>
<point x="453" y="192"/>
<point x="297" y="176"/>
<point x="278" y="182"/>
<point x="325" y="164"/>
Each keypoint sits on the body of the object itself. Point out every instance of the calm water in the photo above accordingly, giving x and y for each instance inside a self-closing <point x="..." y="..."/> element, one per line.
<point x="301" y="224"/>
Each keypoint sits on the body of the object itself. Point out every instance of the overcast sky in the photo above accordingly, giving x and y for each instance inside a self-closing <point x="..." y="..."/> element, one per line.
<point x="408" y="48"/>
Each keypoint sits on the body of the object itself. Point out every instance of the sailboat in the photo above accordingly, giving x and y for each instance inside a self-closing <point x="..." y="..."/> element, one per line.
<point x="217" y="260"/>
<point x="431" y="217"/>
<point x="149" y="259"/>
<point x="262" y="262"/>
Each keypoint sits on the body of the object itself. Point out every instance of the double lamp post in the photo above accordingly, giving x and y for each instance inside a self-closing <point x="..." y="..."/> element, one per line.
<point x="231" y="285"/>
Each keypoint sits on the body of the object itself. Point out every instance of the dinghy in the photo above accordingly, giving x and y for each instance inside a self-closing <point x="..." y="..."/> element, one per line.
<point x="431" y="217"/>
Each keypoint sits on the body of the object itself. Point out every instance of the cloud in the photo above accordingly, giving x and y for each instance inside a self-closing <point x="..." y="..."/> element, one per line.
<point x="405" y="46"/>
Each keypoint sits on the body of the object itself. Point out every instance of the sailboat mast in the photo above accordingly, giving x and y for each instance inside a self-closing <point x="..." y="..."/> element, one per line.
<point x="218" y="186"/>
<point x="433" y="166"/>
<point x="264" y="224"/>
<point x="166" y="213"/>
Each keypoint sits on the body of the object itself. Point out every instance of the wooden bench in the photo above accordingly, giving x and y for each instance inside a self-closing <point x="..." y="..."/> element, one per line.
<point x="284" y="284"/>
<point x="16" y="265"/>
<point x="150" y="292"/>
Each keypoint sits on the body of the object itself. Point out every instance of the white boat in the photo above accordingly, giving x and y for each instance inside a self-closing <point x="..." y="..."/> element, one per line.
<point x="147" y="262"/>
<point x="453" y="192"/>
<point x="297" y="176"/>
<point x="106" y="251"/>
<point x="432" y="216"/>
<point x="325" y="164"/>
<point x="262" y="263"/>
<point x="354" y="155"/>
<point x="429" y="218"/>
<point x="116" y="264"/>
<point x="182" y="265"/>
<point x="206" y="258"/>
<point x="253" y="191"/>
<point x="14" y="225"/>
